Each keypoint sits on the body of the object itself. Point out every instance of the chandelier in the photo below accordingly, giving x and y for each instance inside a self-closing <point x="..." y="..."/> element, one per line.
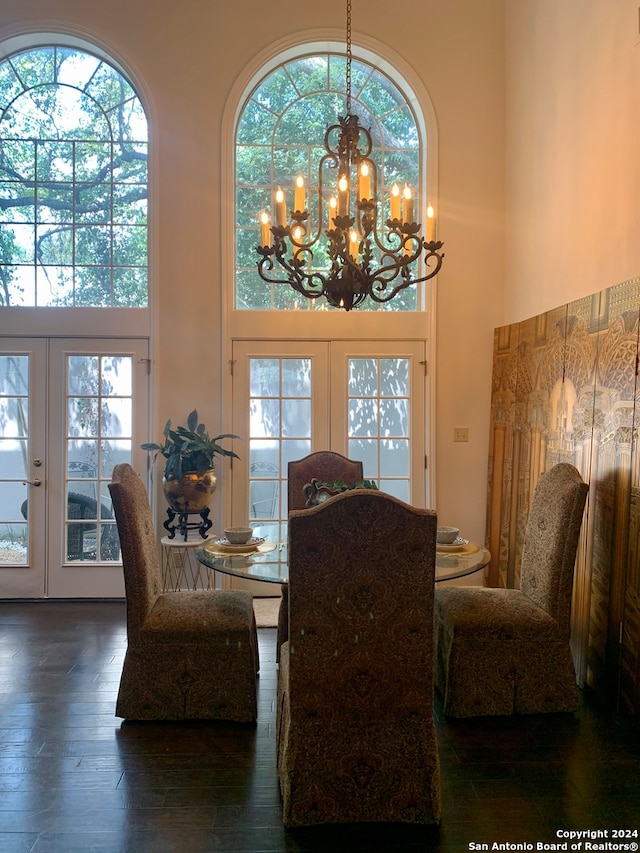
<point x="365" y="257"/>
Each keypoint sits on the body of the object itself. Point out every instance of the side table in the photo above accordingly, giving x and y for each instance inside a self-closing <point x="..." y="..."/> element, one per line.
<point x="180" y="567"/>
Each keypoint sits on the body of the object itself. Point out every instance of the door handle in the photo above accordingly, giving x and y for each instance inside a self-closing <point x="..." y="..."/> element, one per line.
<point x="35" y="482"/>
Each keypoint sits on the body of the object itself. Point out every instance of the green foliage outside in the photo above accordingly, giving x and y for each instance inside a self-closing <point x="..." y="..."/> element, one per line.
<point x="280" y="135"/>
<point x="73" y="172"/>
<point x="73" y="182"/>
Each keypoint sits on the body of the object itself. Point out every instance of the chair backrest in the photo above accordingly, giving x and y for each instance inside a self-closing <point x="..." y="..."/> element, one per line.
<point x="325" y="465"/>
<point x="140" y="561"/>
<point x="551" y="541"/>
<point x="361" y="584"/>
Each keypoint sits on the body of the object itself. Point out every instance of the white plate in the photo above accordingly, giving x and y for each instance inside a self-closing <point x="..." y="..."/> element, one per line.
<point x="249" y="546"/>
<point x="458" y="545"/>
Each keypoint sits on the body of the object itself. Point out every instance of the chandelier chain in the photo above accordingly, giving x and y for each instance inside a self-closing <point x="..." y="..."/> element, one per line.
<point x="348" y="72"/>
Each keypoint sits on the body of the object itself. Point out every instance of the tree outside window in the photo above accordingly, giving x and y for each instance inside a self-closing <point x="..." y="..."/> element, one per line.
<point x="73" y="183"/>
<point x="280" y="135"/>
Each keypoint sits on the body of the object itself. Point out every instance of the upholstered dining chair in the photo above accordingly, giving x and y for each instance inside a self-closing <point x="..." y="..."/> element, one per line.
<point x="191" y="654"/>
<point x="506" y="651"/>
<point x="355" y="734"/>
<point x="327" y="466"/>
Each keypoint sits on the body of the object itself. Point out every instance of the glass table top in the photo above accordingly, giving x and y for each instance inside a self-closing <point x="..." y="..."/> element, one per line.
<point x="268" y="562"/>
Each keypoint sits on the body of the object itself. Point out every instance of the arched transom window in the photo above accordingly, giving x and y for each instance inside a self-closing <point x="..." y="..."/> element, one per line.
<point x="73" y="182"/>
<point x="280" y="135"/>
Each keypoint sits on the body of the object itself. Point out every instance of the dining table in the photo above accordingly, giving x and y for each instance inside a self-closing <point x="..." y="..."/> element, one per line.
<point x="267" y="562"/>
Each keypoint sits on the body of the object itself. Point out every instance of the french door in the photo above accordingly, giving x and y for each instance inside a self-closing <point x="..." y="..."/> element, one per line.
<point x="364" y="399"/>
<point x="70" y="410"/>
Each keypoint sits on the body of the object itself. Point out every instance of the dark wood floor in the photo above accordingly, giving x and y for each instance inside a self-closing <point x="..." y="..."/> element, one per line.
<point x="74" y="778"/>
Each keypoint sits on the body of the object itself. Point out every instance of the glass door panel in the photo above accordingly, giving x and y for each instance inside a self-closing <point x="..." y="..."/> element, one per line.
<point x="363" y="399"/>
<point x="98" y="435"/>
<point x="279" y="430"/>
<point x="14" y="432"/>
<point x="22" y="443"/>
<point x="379" y="431"/>
<point x="99" y="395"/>
<point x="378" y="412"/>
<point x="280" y="404"/>
<point x="69" y="411"/>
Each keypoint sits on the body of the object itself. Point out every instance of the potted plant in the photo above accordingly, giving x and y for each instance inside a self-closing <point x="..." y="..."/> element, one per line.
<point x="189" y="478"/>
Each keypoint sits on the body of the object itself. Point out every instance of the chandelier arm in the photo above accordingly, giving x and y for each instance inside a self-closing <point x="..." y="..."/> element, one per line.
<point x="300" y="243"/>
<point x="329" y="159"/>
<point x="277" y="252"/>
<point x="295" y="276"/>
<point x="388" y="296"/>
<point x="310" y="292"/>
<point x="362" y="131"/>
<point x="313" y="291"/>
<point x="404" y="233"/>
<point x="388" y="250"/>
<point x="380" y="276"/>
<point x="327" y="143"/>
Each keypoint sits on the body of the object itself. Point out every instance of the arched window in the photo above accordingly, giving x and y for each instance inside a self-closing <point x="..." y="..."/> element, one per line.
<point x="73" y="182"/>
<point x="280" y="134"/>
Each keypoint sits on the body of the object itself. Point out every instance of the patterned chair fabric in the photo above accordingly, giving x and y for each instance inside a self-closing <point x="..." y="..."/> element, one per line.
<point x="190" y="655"/>
<point x="506" y="651"/>
<point x="324" y="465"/>
<point x="355" y="733"/>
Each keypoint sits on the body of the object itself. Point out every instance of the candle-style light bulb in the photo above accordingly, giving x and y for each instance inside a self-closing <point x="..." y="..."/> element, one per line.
<point x="296" y="236"/>
<point x="298" y="197"/>
<point x="364" y="182"/>
<point x="265" y="229"/>
<point x="333" y="209"/>
<point x="353" y="244"/>
<point x="343" y="196"/>
<point x="407" y="204"/>
<point x="281" y="208"/>
<point x="431" y="224"/>
<point x="395" y="202"/>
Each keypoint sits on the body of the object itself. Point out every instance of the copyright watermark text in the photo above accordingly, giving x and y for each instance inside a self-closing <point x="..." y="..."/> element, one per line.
<point x="570" y="839"/>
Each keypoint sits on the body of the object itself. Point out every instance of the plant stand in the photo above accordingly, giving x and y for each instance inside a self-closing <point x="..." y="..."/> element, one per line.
<point x="183" y="525"/>
<point x="180" y="567"/>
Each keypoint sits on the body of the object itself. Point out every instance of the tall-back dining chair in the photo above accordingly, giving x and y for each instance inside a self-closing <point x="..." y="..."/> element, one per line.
<point x="326" y="466"/>
<point x="355" y="733"/>
<point x="506" y="651"/>
<point x="191" y="654"/>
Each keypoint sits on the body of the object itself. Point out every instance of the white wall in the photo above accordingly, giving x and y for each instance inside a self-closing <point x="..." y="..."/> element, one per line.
<point x="573" y="150"/>
<point x="186" y="56"/>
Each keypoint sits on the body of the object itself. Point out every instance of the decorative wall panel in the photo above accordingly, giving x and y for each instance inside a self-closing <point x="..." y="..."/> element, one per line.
<point x="564" y="389"/>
